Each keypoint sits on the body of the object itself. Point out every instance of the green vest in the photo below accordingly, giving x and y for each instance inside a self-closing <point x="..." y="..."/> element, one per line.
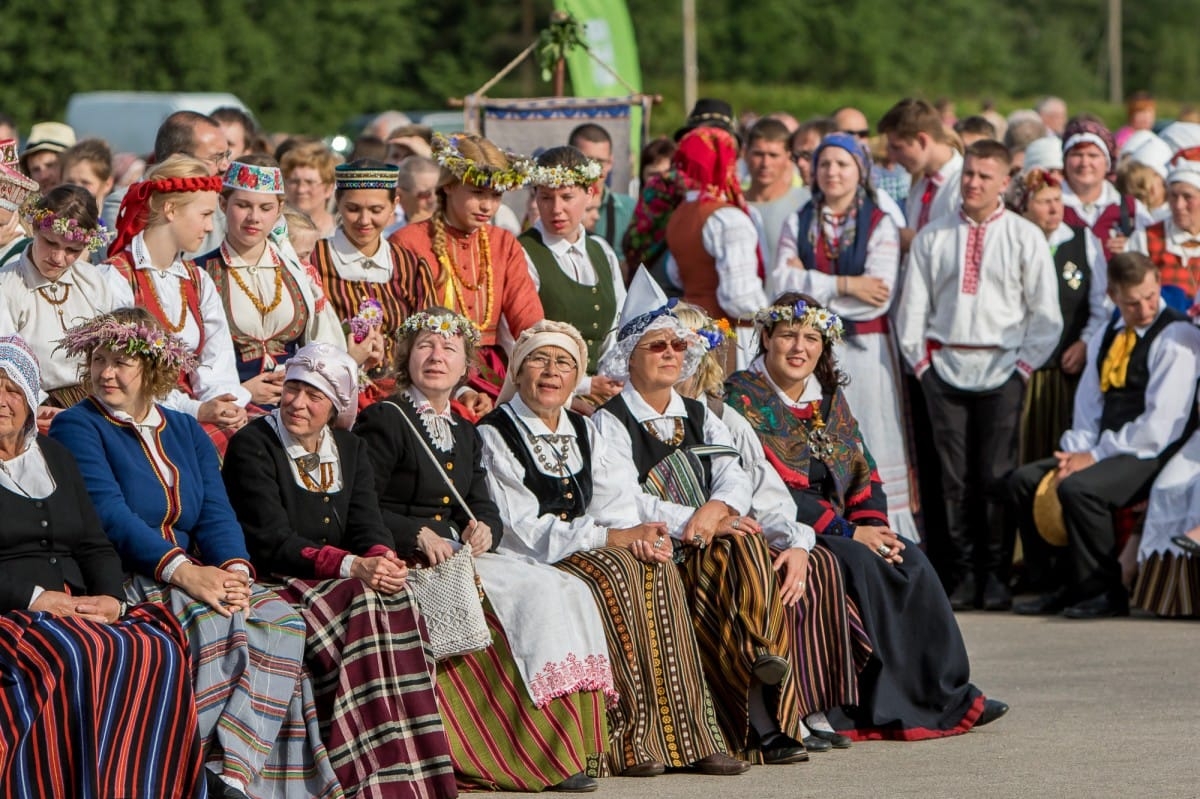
<point x="592" y="309"/>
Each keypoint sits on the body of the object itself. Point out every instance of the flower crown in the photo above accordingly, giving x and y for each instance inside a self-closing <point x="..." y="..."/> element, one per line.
<point x="45" y="220"/>
<point x="823" y="319"/>
<point x="715" y="333"/>
<point x="556" y="177"/>
<point x="446" y="324"/>
<point x="129" y="338"/>
<point x="447" y="154"/>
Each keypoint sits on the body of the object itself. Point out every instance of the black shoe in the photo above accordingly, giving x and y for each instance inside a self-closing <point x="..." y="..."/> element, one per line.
<point x="815" y="744"/>
<point x="1101" y="606"/>
<point x="576" y="783"/>
<point x="650" y="768"/>
<point x="1046" y="605"/>
<point x="1187" y="544"/>
<point x="992" y="710"/>
<point x="996" y="595"/>
<point x="781" y="749"/>
<point x="770" y="669"/>
<point x="219" y="789"/>
<point x="720" y="764"/>
<point x="965" y="594"/>
<point x="835" y="739"/>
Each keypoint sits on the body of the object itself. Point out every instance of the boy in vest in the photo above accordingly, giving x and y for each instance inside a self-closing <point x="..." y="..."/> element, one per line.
<point x="1134" y="407"/>
<point x="979" y="314"/>
<point x="578" y="276"/>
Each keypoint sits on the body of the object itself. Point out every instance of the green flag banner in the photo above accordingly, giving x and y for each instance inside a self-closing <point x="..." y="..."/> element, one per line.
<point x="608" y="31"/>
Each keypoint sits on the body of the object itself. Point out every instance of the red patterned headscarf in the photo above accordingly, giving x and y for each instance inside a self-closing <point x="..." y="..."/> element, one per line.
<point x="135" y="208"/>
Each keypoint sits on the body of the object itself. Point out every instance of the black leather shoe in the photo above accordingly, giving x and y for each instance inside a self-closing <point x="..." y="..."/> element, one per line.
<point x="964" y="594"/>
<point x="996" y="595"/>
<point x="1187" y="544"/>
<point x="992" y="710"/>
<point x="1102" y="606"/>
<point x="1045" y="605"/>
<point x="651" y="768"/>
<point x="576" y="783"/>
<point x="835" y="739"/>
<point x="815" y="744"/>
<point x="770" y="669"/>
<point x="781" y="749"/>
<point x="721" y="765"/>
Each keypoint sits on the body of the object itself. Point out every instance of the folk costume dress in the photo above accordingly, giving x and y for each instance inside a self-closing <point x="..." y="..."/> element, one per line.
<point x="484" y="277"/>
<point x="77" y="697"/>
<point x="158" y="493"/>
<point x="865" y="241"/>
<point x="731" y="586"/>
<point x="372" y="672"/>
<point x="527" y="712"/>
<point x="558" y="491"/>
<point x="916" y="684"/>
<point x="40" y="311"/>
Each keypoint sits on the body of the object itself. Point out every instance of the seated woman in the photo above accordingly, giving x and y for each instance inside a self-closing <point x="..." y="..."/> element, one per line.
<point x="83" y="679"/>
<point x="535" y="696"/>
<point x="304" y="492"/>
<point x="474" y="267"/>
<point x="916" y="684"/>
<point x="51" y="286"/>
<point x="168" y="214"/>
<point x="272" y="305"/>
<point x="1168" y="582"/>
<point x="685" y="461"/>
<point x="563" y="502"/>
<point x="153" y="478"/>
<point x="828" y="647"/>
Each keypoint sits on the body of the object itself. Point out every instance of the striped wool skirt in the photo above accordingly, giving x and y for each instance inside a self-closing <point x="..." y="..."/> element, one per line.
<point x="664" y="712"/>
<point x="829" y="646"/>
<point x="499" y="739"/>
<point x="734" y="599"/>
<point x="97" y="710"/>
<point x="372" y="675"/>
<point x="254" y="703"/>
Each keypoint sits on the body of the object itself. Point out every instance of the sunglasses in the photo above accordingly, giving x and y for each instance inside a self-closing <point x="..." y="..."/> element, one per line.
<point x="802" y="155"/>
<point x="860" y="134"/>
<point x="660" y="346"/>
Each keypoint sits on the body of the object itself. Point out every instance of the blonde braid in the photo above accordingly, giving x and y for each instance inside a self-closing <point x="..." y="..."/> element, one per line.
<point x="441" y="251"/>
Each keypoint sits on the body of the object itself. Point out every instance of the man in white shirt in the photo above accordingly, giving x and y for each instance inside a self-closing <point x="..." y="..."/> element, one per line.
<point x="980" y="314"/>
<point x="917" y="141"/>
<point x="773" y="190"/>
<point x="1134" y="407"/>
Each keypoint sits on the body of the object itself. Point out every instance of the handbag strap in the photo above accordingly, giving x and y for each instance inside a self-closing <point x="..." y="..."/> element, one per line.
<point x="436" y="461"/>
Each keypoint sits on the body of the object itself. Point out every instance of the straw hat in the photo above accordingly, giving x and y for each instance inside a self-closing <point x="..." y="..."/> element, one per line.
<point x="1047" y="511"/>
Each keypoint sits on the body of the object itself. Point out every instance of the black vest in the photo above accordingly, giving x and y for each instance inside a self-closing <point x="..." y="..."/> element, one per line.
<point x="648" y="450"/>
<point x="565" y="497"/>
<point x="1123" y="405"/>
<point x="1072" y="299"/>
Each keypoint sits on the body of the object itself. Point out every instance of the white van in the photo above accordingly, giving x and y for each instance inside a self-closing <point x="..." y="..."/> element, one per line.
<point x="128" y="121"/>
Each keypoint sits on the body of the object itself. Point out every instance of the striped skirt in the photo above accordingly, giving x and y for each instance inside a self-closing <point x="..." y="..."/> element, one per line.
<point x="254" y="704"/>
<point x="1168" y="585"/>
<point x="373" y="679"/>
<point x="737" y="615"/>
<point x="96" y="710"/>
<point x="829" y="646"/>
<point x="664" y="713"/>
<point x="501" y="741"/>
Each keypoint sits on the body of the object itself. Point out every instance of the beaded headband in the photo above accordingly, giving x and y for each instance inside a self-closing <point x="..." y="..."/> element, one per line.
<point x="46" y="221"/>
<point x="128" y="338"/>
<point x="254" y="178"/>
<point x="351" y="177"/>
<point x="801" y="313"/>
<point x="556" y="177"/>
<point x="446" y="325"/>
<point x="446" y="153"/>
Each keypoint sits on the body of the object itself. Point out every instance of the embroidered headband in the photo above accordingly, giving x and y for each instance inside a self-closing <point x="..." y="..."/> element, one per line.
<point x="135" y="208"/>
<point x="556" y="177"/>
<point x="40" y="218"/>
<point x="253" y="178"/>
<point x="801" y="313"/>
<point x="446" y="325"/>
<point x="331" y="370"/>
<point x="132" y="339"/>
<point x="347" y="177"/>
<point x="466" y="170"/>
<point x="639" y="324"/>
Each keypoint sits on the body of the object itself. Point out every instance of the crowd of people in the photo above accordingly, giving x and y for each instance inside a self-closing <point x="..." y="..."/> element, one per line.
<point x="724" y="454"/>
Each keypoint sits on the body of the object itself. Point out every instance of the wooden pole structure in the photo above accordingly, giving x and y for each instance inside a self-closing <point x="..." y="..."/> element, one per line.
<point x="1116" y="91"/>
<point x="690" y="70"/>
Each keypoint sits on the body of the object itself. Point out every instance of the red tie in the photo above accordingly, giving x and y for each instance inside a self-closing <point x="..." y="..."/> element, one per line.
<point x="926" y="202"/>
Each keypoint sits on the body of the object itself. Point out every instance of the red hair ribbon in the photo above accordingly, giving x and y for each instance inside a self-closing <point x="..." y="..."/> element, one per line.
<point x="135" y="207"/>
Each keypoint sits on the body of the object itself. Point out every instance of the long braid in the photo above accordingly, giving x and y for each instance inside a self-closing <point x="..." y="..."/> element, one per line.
<point x="441" y="250"/>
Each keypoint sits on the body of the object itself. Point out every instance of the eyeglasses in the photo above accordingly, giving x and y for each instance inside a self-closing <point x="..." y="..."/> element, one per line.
<point x="219" y="158"/>
<point x="860" y="134"/>
<point x="562" y="365"/>
<point x="802" y="155"/>
<point x="660" y="346"/>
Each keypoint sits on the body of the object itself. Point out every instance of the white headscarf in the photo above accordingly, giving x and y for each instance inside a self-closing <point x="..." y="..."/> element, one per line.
<point x="545" y="333"/>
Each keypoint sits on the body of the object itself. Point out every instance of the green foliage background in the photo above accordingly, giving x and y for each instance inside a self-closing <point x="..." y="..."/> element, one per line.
<point x="308" y="65"/>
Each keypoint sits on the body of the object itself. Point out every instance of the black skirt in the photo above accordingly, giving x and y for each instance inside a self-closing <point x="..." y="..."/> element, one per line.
<point x="916" y="684"/>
